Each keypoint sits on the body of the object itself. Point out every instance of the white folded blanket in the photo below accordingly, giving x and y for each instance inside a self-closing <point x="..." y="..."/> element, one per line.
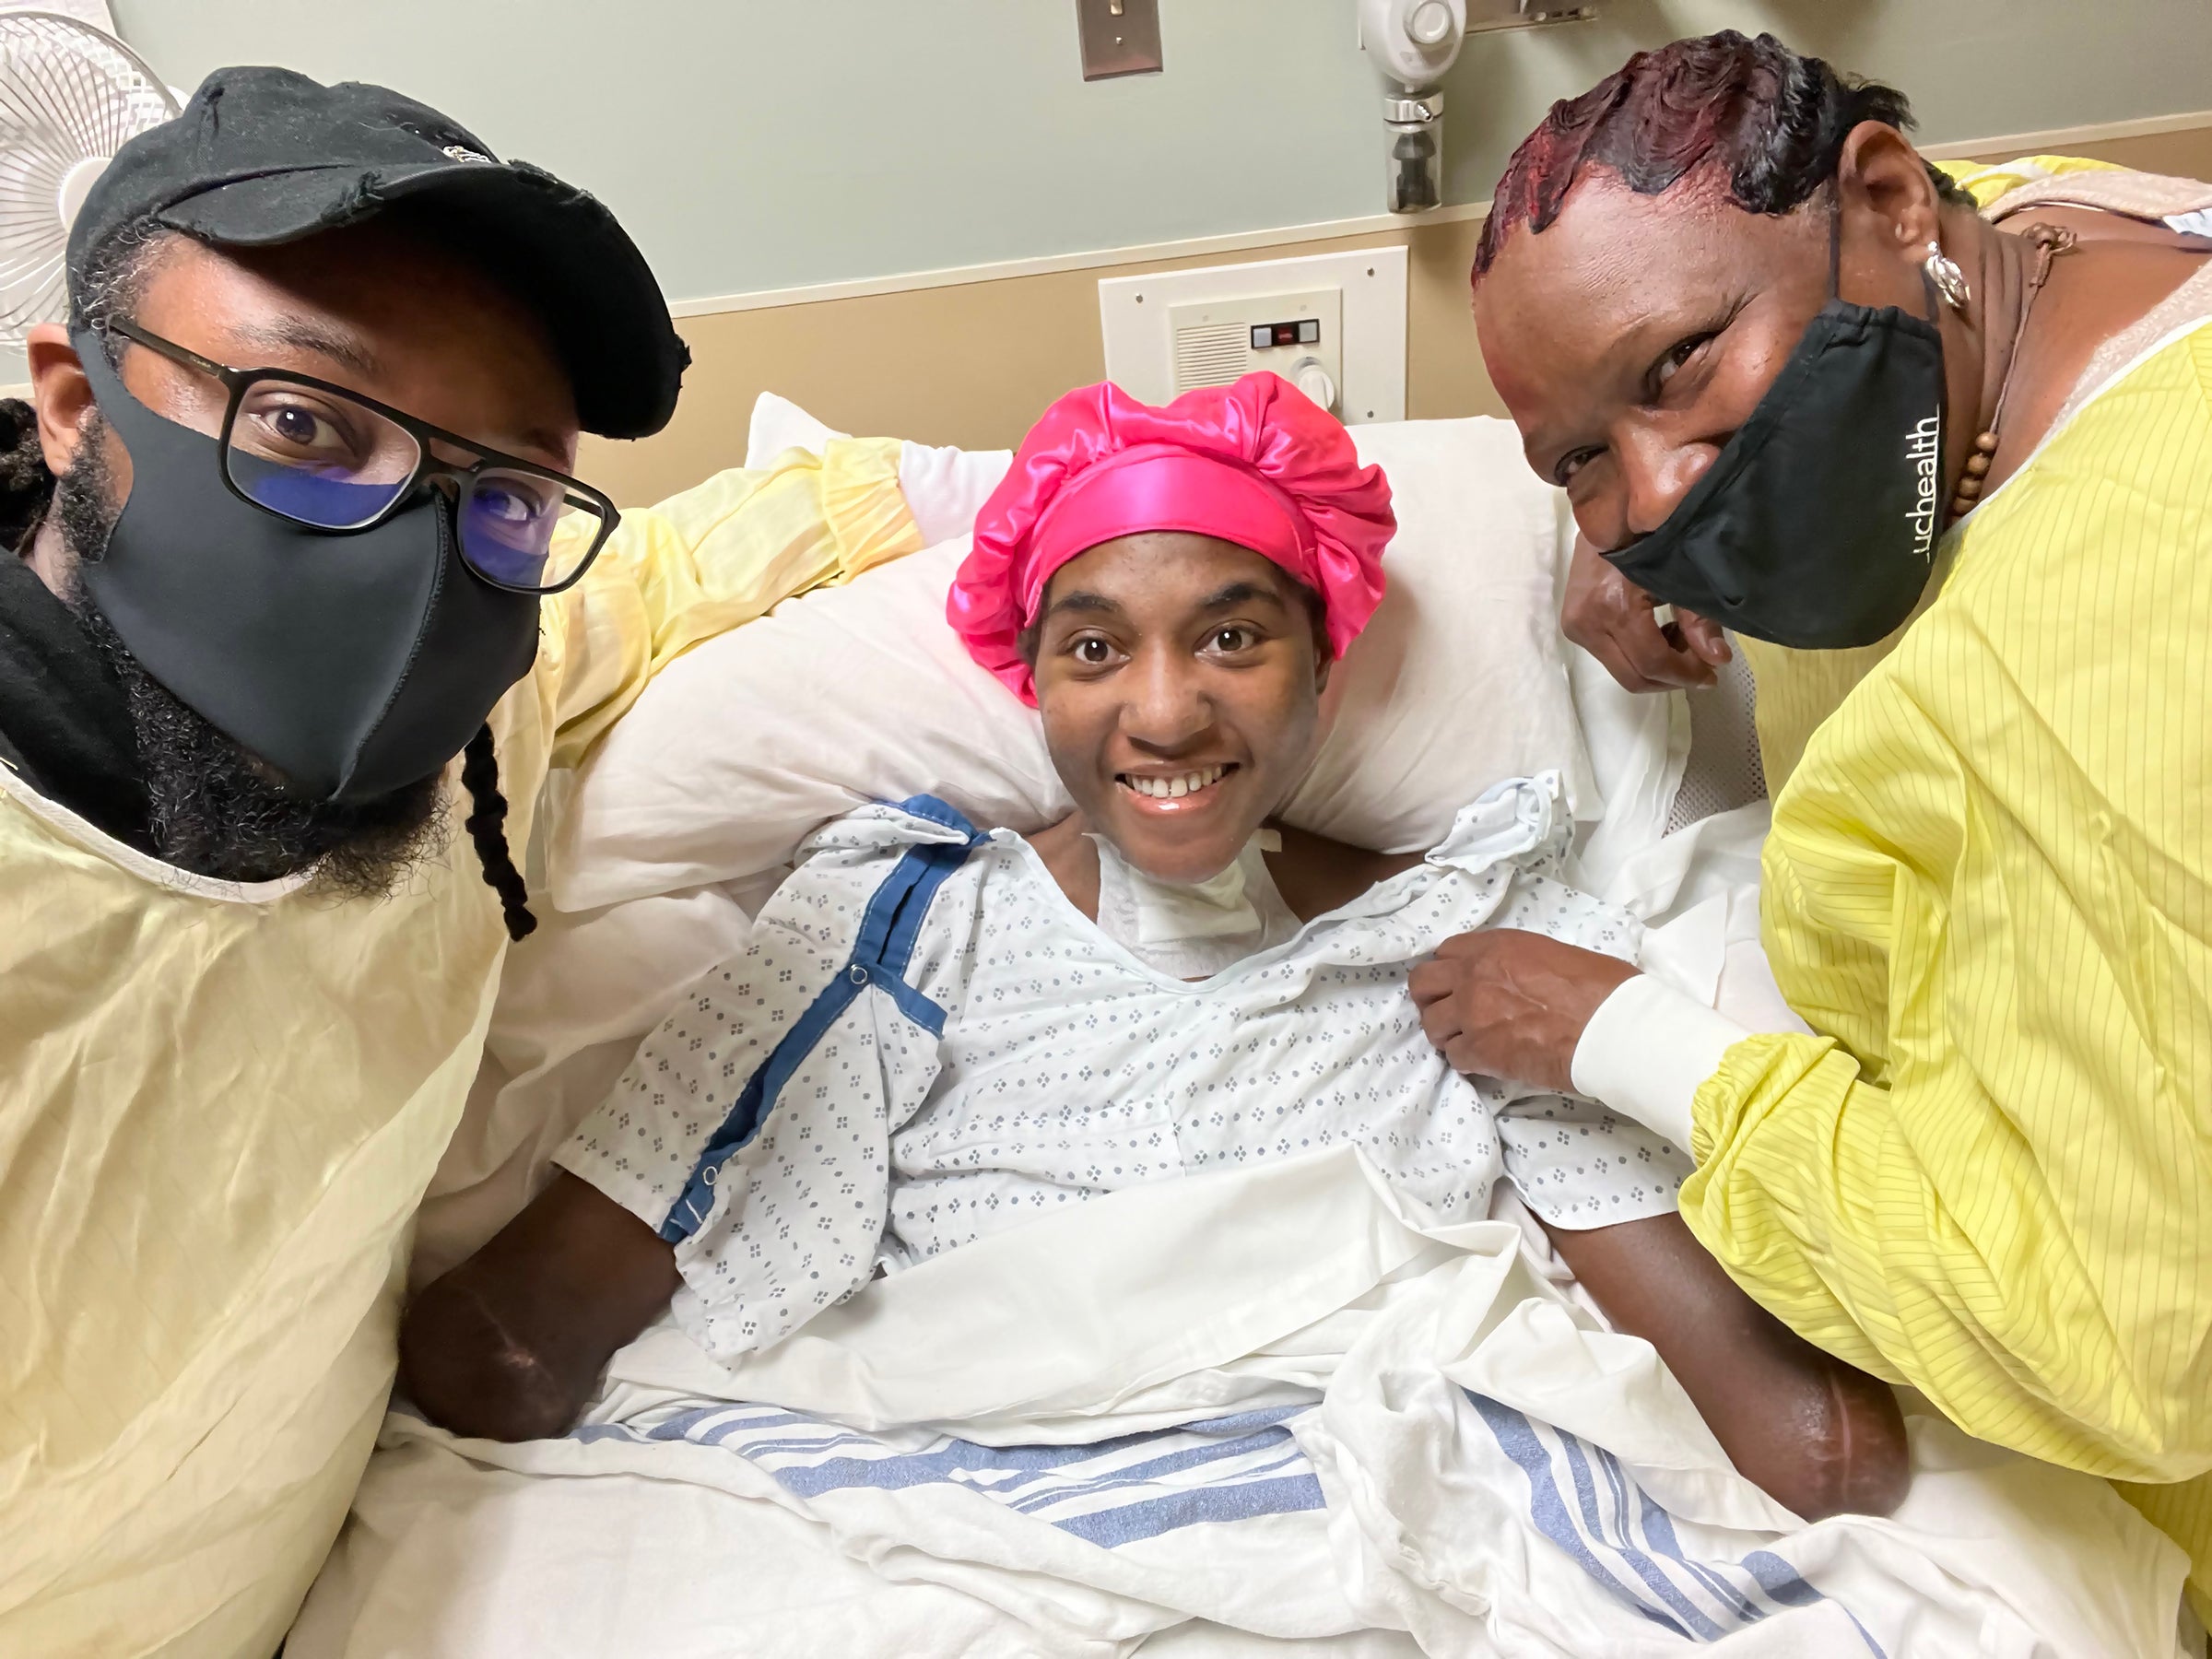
<point x="1253" y="1413"/>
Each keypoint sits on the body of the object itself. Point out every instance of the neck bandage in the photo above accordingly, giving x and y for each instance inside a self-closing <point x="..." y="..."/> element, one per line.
<point x="1194" y="930"/>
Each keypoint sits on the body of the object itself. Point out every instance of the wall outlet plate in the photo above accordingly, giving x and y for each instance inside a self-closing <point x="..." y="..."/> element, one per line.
<point x="1138" y="316"/>
<point x="1119" y="36"/>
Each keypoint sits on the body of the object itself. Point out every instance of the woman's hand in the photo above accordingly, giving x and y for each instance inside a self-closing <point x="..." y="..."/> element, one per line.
<point x="1610" y="617"/>
<point x="1513" y="1005"/>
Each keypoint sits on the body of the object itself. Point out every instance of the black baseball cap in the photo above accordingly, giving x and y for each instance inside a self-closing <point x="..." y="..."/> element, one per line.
<point x="263" y="155"/>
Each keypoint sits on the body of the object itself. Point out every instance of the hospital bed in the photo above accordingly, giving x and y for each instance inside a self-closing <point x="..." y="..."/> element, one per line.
<point x="1269" y="1413"/>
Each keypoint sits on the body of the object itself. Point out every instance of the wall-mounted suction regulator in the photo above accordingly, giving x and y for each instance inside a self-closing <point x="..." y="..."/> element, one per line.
<point x="1414" y="43"/>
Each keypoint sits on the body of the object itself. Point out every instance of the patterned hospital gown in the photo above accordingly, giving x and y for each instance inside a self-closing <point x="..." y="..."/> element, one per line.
<point x="925" y="1041"/>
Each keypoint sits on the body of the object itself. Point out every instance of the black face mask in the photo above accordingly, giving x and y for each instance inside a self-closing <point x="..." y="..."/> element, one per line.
<point x="353" y="663"/>
<point x="1816" y="526"/>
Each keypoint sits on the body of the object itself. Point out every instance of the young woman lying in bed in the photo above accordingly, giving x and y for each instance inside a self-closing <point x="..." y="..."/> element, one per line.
<point x="935" y="1033"/>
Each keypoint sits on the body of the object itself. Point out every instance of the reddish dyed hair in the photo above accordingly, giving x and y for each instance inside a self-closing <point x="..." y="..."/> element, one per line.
<point x="1771" y="121"/>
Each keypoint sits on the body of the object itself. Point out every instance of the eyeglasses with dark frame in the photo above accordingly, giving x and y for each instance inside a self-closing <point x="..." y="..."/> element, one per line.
<point x="339" y="462"/>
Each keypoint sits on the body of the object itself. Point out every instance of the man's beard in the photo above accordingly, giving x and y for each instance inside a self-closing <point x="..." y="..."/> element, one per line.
<point x="216" y="809"/>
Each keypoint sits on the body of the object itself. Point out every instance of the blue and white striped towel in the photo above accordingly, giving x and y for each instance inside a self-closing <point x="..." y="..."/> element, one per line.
<point x="1234" y="1468"/>
<point x="1580" y="1498"/>
<point x="1111" y="1492"/>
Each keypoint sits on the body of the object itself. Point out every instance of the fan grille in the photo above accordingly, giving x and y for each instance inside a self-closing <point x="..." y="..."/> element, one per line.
<point x="68" y="95"/>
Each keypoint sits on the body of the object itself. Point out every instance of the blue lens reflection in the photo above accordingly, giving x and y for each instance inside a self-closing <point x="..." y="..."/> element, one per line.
<point x="507" y="527"/>
<point x="324" y="500"/>
<point x="506" y="524"/>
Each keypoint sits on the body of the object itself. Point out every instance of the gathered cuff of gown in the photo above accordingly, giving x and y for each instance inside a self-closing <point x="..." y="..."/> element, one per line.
<point x="1648" y="1050"/>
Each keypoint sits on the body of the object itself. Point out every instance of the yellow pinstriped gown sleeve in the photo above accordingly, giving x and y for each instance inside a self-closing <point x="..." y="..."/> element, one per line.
<point x="1989" y="889"/>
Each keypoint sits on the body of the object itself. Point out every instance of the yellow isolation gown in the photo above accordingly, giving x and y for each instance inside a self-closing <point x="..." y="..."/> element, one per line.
<point x="219" y="1104"/>
<point x="1988" y="890"/>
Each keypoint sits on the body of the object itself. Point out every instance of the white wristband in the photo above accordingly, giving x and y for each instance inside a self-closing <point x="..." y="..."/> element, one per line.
<point x="1648" y="1050"/>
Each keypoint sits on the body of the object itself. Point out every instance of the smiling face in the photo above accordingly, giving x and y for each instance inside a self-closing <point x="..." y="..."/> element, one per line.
<point x="1635" y="335"/>
<point x="1179" y="680"/>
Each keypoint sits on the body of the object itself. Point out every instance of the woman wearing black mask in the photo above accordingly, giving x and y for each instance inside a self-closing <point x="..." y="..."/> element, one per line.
<point x="1793" y="383"/>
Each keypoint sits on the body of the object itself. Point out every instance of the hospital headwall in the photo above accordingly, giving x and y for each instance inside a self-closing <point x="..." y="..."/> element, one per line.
<point x="897" y="212"/>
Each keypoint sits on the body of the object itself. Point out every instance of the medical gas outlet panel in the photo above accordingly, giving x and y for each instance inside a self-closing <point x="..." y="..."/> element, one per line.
<point x="1334" y="326"/>
<point x="1298" y="337"/>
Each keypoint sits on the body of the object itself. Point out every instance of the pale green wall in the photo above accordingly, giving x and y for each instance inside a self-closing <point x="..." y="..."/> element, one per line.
<point x="754" y="145"/>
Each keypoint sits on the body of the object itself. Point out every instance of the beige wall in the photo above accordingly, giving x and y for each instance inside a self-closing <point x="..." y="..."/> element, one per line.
<point x="973" y="364"/>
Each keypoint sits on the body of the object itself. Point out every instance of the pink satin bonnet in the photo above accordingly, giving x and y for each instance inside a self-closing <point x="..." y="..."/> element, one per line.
<point x="1257" y="464"/>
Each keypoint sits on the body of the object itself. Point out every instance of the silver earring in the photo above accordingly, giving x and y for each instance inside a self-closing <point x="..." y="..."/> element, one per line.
<point x="1949" y="280"/>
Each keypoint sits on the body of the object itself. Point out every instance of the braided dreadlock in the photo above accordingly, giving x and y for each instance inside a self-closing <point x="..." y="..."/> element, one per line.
<point x="487" y="827"/>
<point x="26" y="486"/>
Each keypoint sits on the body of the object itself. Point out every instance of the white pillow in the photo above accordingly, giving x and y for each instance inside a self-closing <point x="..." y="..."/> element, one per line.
<point x="1461" y="679"/>
<point x="744" y="746"/>
<point x="778" y="425"/>
<point x="944" y="488"/>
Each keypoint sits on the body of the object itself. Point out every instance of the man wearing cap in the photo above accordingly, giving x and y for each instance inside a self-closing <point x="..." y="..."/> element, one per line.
<point x="297" y="530"/>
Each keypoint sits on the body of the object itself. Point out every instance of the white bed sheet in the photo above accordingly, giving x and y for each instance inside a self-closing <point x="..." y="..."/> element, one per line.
<point x="1270" y="1401"/>
<point x="677" y="1523"/>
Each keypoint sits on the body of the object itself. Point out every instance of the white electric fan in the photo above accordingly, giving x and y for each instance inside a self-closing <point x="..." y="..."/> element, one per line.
<point x="69" y="98"/>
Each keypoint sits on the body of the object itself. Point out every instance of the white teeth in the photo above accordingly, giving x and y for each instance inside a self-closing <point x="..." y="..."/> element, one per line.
<point x="1172" y="788"/>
